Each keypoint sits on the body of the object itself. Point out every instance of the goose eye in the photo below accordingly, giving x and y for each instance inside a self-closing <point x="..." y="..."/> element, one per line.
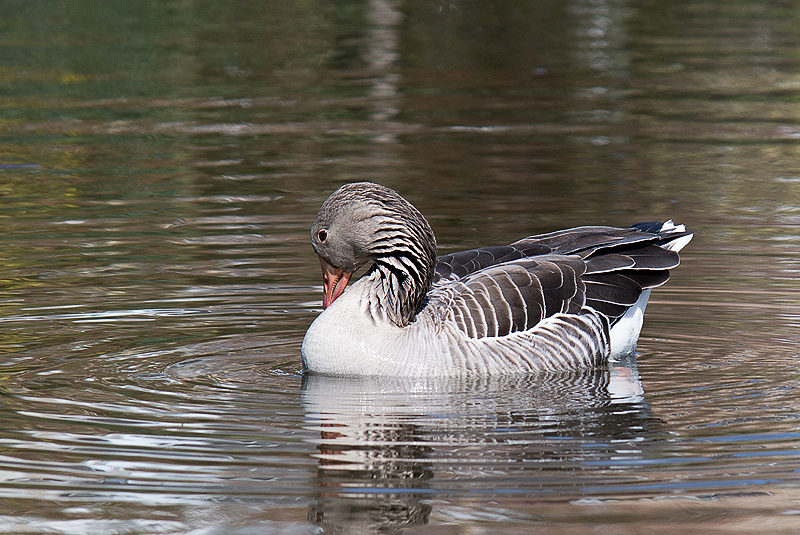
<point x="322" y="235"/>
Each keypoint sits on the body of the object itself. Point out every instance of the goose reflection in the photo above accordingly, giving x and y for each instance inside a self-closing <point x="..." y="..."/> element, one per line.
<point x="388" y="446"/>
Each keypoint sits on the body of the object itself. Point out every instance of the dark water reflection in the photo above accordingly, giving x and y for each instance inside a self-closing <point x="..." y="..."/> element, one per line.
<point x="160" y="163"/>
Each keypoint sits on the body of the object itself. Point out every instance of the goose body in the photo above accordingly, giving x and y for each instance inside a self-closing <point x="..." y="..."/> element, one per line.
<point x="563" y="300"/>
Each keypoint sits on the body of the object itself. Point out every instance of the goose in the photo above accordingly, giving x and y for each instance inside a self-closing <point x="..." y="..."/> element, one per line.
<point x="559" y="301"/>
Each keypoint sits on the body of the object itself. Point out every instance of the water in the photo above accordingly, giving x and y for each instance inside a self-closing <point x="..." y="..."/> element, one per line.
<point x="161" y="162"/>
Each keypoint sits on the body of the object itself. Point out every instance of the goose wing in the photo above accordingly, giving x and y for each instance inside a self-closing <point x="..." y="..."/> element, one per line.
<point x="513" y="288"/>
<point x="516" y="295"/>
<point x="583" y="241"/>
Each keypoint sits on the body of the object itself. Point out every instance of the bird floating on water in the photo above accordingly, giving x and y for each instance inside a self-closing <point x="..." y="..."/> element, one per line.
<point x="563" y="300"/>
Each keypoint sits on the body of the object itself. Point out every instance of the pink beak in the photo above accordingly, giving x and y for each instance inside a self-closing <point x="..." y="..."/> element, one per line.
<point x="334" y="281"/>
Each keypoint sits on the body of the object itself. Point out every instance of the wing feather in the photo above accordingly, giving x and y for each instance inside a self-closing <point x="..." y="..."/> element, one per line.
<point x="516" y="296"/>
<point x="587" y="242"/>
<point x="495" y="291"/>
<point x="613" y="288"/>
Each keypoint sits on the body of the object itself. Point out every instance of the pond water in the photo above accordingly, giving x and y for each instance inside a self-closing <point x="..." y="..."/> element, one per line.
<point x="161" y="163"/>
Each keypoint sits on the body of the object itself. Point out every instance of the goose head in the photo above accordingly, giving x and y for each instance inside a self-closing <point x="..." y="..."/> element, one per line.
<point x="364" y="222"/>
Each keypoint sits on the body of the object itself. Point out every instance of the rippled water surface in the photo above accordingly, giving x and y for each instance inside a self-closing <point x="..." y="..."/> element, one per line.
<point x="161" y="163"/>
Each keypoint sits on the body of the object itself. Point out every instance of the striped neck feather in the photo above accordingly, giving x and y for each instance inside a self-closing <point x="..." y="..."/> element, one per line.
<point x="400" y="281"/>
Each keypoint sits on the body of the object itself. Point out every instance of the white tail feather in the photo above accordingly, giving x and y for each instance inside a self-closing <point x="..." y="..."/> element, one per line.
<point x="678" y="243"/>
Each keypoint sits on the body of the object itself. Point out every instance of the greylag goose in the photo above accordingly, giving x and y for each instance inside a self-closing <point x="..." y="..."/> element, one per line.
<point x="568" y="299"/>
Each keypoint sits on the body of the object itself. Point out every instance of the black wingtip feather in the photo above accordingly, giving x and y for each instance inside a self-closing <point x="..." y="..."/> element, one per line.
<point x="653" y="227"/>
